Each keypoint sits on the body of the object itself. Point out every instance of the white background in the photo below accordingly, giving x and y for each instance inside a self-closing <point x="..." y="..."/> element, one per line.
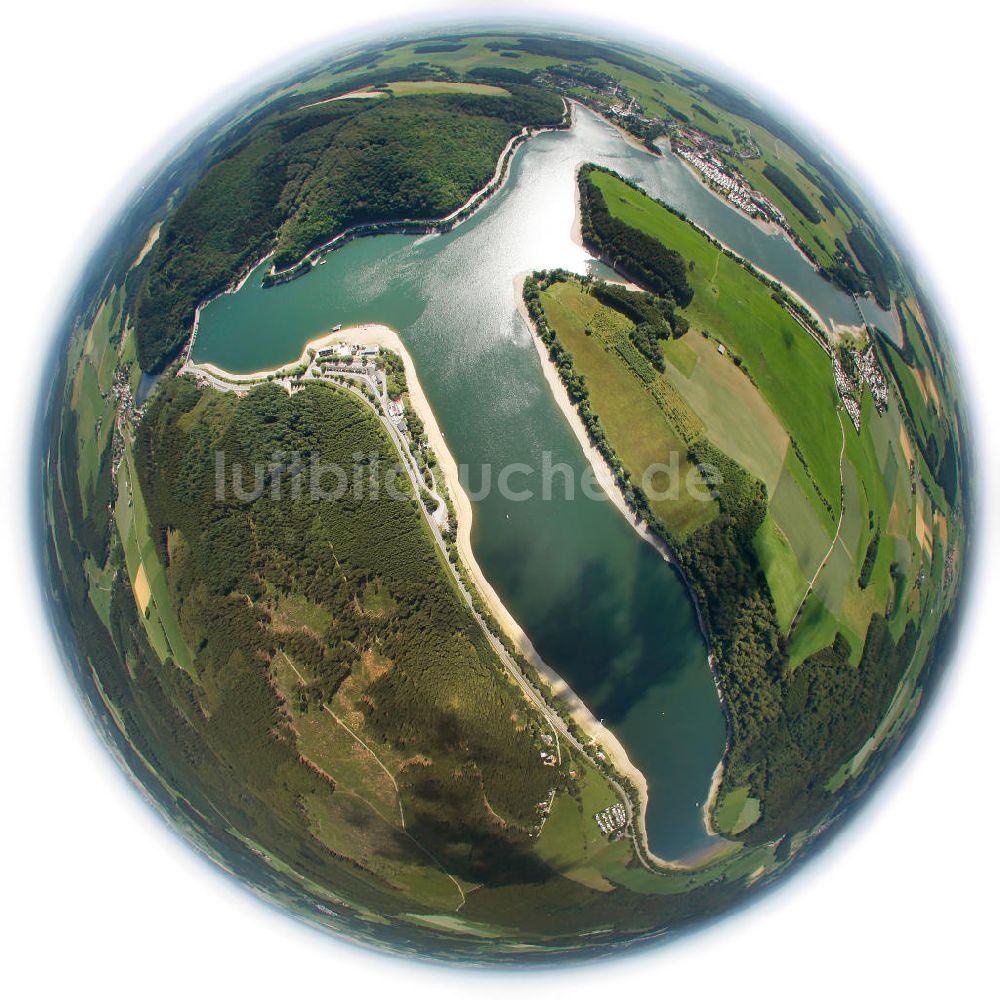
<point x="98" y="895"/>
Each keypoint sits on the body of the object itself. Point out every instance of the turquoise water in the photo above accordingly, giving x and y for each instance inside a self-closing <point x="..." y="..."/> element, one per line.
<point x="601" y="607"/>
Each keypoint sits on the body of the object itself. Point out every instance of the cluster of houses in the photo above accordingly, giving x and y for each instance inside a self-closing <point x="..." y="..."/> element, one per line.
<point x="359" y="352"/>
<point x="360" y="359"/>
<point x="869" y="373"/>
<point x="949" y="567"/>
<point x="548" y="757"/>
<point x="125" y="412"/>
<point x="121" y="389"/>
<point x="612" y="821"/>
<point x="702" y="152"/>
<point x="847" y="388"/>
<point x="610" y="98"/>
<point x="627" y="112"/>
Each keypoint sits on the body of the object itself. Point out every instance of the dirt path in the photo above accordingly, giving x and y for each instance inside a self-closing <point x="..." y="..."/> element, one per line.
<point x="840" y="523"/>
<point x="399" y="798"/>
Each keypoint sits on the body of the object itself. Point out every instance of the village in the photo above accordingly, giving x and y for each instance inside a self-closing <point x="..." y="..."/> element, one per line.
<point x="605" y="95"/>
<point x="125" y="415"/>
<point x="702" y="152"/>
<point x="866" y="371"/>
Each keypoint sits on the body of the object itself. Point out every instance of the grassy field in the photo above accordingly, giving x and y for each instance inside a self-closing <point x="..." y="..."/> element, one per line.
<point x="781" y="567"/>
<point x="738" y="811"/>
<point x="808" y="534"/>
<point x="636" y="424"/>
<point x="402" y="88"/>
<point x="571" y="841"/>
<point x="816" y="630"/>
<point x="159" y="615"/>
<point x="407" y="88"/>
<point x="91" y="398"/>
<point x="736" y="417"/>
<point x="877" y="497"/>
<point x="791" y="370"/>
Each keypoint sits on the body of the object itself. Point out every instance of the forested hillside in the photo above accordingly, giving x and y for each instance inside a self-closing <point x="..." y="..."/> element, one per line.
<point x="372" y="613"/>
<point x="301" y="176"/>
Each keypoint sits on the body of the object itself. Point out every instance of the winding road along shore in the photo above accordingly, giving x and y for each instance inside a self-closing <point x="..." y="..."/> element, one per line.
<point x="603" y="739"/>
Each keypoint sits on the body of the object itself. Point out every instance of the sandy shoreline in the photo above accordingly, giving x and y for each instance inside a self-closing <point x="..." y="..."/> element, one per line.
<point x="602" y="471"/>
<point x="378" y="335"/>
<point x="605" y="477"/>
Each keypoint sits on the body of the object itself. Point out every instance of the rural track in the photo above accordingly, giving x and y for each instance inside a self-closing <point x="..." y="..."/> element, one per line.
<point x="840" y="522"/>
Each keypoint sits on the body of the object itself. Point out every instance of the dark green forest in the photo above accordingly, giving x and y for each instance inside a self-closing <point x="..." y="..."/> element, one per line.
<point x="877" y="266"/>
<point x="230" y="562"/>
<point x="630" y="251"/>
<point x="795" y="194"/>
<point x="300" y="176"/>
<point x="576" y="50"/>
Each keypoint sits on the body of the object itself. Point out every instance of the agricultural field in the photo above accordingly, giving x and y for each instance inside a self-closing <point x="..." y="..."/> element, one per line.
<point x="404" y="88"/>
<point x="571" y="841"/>
<point x="146" y="572"/>
<point x="736" y="308"/>
<point x="633" y="416"/>
<point x="408" y="88"/>
<point x="91" y="395"/>
<point x="774" y="369"/>
<point x="738" y="811"/>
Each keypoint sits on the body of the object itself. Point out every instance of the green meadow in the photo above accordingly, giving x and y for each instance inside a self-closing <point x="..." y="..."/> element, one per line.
<point x="791" y="370"/>
<point x="636" y="424"/>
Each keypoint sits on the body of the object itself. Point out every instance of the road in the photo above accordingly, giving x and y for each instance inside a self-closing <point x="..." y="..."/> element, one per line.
<point x="436" y="522"/>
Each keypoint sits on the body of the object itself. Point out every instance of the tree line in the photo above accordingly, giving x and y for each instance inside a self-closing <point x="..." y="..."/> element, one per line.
<point x="299" y="177"/>
<point x="629" y="250"/>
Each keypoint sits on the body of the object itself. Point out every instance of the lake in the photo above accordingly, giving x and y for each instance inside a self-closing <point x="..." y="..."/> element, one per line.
<point x="599" y="604"/>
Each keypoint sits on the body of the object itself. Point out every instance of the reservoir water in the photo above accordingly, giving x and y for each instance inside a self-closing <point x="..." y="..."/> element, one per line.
<point x="599" y="604"/>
